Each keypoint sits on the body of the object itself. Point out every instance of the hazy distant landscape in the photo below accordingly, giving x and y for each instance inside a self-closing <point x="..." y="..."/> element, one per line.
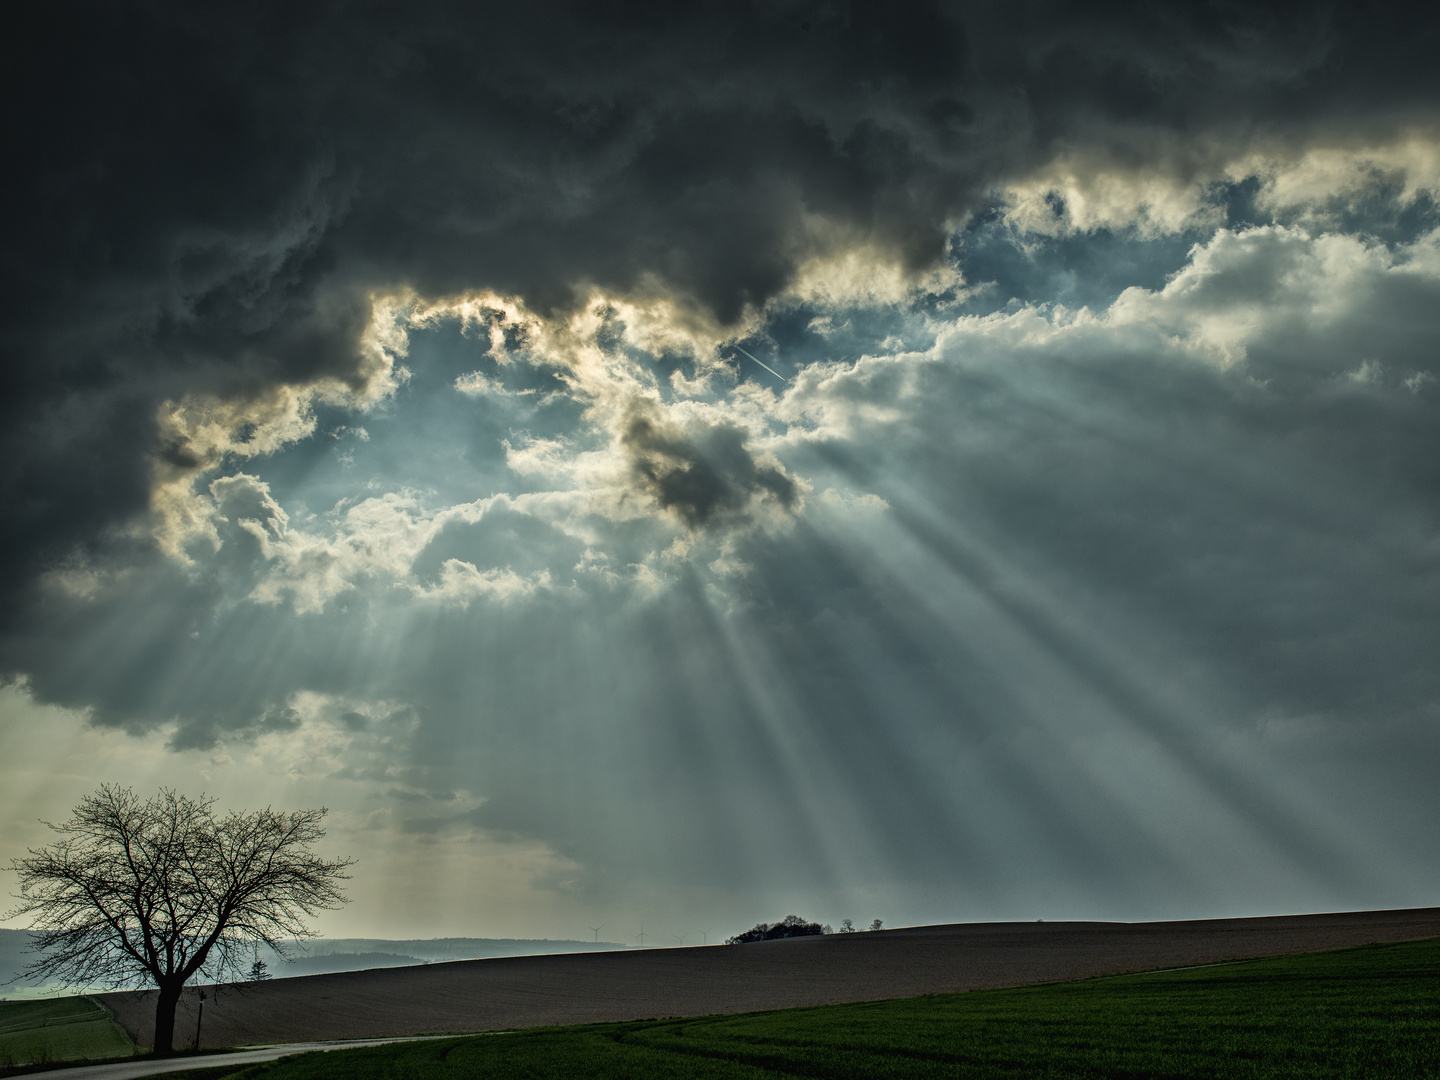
<point x="325" y="955"/>
<point x="322" y="956"/>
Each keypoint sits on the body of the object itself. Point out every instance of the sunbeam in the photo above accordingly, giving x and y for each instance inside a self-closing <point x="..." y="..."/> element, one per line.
<point x="384" y="441"/>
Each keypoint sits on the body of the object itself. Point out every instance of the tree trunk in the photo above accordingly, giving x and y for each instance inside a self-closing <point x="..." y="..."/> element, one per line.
<point x="165" y="1017"/>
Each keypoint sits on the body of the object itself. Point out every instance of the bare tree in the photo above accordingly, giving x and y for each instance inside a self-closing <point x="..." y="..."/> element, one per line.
<point x="153" y="891"/>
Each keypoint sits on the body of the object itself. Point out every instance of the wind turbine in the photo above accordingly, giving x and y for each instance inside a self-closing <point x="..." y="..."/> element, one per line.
<point x="597" y="930"/>
<point x="642" y="935"/>
<point x="681" y="937"/>
<point x="704" y="935"/>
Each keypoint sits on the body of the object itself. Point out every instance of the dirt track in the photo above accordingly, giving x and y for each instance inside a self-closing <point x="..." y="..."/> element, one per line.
<point x="528" y="991"/>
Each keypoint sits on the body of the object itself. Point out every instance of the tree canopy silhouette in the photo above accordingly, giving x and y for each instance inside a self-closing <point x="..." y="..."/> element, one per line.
<point x="153" y="891"/>
<point x="792" y="926"/>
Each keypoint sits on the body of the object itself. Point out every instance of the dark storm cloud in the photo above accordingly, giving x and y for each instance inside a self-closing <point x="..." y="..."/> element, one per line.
<point x="201" y="198"/>
<point x="702" y="476"/>
<point x="1123" y="595"/>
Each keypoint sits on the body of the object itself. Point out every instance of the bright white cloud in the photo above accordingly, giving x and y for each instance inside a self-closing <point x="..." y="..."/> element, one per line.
<point x="1279" y="302"/>
<point x="462" y="582"/>
<point x="670" y="584"/>
<point x="1179" y="187"/>
<point x="201" y="433"/>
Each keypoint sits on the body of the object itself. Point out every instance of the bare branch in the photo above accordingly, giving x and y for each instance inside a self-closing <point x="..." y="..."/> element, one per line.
<point x="154" y="891"/>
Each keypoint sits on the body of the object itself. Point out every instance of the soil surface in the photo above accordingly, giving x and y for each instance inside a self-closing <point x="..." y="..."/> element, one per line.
<point x="530" y="991"/>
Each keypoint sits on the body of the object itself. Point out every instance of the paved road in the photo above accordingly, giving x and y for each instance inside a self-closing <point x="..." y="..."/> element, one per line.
<point x="148" y="1066"/>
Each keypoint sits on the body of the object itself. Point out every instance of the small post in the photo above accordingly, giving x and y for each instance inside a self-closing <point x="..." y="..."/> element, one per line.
<point x="199" y="1015"/>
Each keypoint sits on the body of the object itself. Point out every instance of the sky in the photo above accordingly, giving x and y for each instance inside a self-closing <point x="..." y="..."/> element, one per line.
<point x="675" y="466"/>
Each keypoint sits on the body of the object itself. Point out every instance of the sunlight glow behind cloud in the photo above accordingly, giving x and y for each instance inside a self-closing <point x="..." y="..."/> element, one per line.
<point x="1080" y="561"/>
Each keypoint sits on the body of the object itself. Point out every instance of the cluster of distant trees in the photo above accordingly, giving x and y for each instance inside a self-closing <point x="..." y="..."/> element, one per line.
<point x="793" y="926"/>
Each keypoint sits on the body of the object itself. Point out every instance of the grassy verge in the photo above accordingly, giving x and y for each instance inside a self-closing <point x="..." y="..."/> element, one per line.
<point x="1372" y="1012"/>
<point x="58" y="1029"/>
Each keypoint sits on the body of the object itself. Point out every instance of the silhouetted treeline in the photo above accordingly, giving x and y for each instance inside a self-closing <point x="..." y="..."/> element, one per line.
<point x="793" y="926"/>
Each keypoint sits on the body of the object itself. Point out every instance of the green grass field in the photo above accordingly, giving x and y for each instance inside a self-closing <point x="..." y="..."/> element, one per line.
<point x="1372" y="1012"/>
<point x="58" y="1029"/>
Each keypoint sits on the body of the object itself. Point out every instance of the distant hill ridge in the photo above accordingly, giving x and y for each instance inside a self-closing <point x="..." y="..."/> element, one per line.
<point x="327" y="955"/>
<point x="454" y="948"/>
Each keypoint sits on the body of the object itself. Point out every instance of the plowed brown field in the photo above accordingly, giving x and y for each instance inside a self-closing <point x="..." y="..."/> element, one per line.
<point x="489" y="995"/>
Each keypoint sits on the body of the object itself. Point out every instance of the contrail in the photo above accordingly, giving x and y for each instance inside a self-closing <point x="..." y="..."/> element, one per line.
<point x="762" y="363"/>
